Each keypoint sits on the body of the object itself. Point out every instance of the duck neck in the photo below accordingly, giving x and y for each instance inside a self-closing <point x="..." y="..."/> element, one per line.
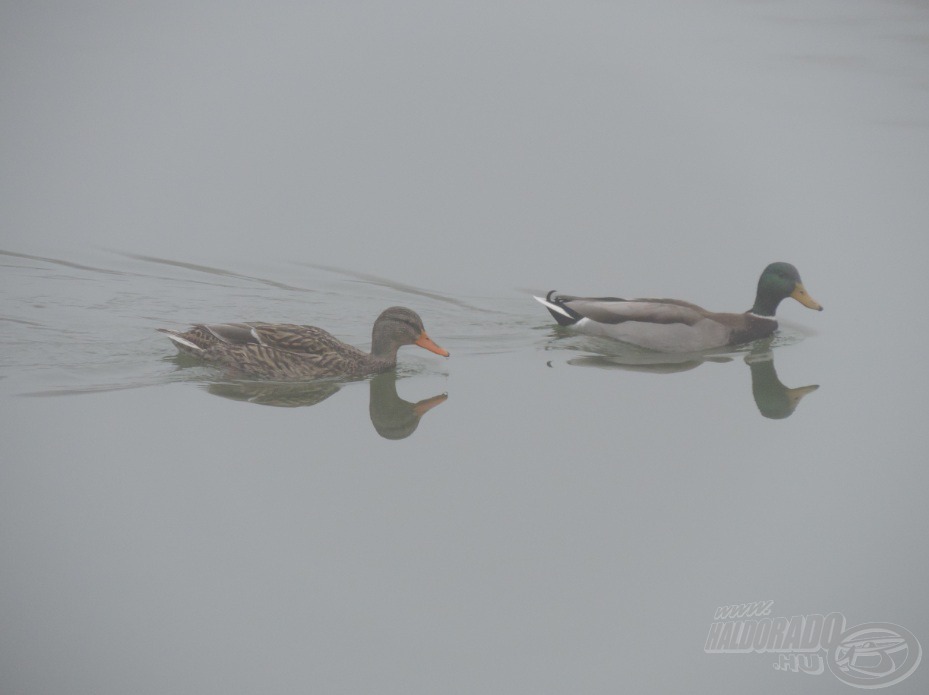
<point x="383" y="349"/>
<point x="765" y="305"/>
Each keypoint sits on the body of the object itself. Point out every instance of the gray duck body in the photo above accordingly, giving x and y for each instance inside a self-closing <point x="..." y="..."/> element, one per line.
<point x="673" y="325"/>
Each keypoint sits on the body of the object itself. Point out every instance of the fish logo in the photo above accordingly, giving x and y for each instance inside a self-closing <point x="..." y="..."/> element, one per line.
<point x="874" y="655"/>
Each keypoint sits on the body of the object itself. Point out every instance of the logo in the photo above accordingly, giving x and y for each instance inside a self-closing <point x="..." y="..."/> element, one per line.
<point x="869" y="655"/>
<point x="875" y="655"/>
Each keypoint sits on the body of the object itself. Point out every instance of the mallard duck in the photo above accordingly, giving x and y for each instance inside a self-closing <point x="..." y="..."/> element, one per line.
<point x="672" y="325"/>
<point x="284" y="351"/>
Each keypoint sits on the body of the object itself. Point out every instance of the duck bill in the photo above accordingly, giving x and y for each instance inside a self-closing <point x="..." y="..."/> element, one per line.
<point x="424" y="341"/>
<point x="806" y="300"/>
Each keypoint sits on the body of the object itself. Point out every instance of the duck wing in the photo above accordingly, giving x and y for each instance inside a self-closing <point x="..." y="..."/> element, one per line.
<point x="568" y="310"/>
<point x="308" y="340"/>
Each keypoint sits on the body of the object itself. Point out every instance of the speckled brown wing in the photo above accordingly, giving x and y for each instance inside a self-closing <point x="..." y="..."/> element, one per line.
<point x="275" y="351"/>
<point x="284" y="351"/>
<point x="307" y="340"/>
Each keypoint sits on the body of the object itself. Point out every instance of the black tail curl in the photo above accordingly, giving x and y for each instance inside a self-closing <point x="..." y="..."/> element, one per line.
<point x="561" y="318"/>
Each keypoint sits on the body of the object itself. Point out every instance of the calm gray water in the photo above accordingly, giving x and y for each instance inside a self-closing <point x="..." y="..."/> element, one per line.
<point x="539" y="513"/>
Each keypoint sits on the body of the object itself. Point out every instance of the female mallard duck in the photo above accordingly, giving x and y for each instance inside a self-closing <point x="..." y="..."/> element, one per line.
<point x="671" y="325"/>
<point x="284" y="351"/>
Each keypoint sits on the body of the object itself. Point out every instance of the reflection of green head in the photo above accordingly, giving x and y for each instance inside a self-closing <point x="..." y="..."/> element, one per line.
<point x="777" y="282"/>
<point x="774" y="400"/>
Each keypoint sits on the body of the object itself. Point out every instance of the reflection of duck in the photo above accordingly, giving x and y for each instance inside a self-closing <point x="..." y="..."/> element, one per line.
<point x="289" y="352"/>
<point x="282" y="395"/>
<point x="392" y="417"/>
<point x="671" y="325"/>
<point x="658" y="364"/>
<point x="774" y="400"/>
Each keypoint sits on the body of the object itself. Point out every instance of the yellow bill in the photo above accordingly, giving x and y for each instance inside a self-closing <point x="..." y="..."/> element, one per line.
<point x="806" y="300"/>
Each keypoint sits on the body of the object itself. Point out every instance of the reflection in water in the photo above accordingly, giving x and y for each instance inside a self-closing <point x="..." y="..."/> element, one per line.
<point x="281" y="394"/>
<point x="774" y="400"/>
<point x="392" y="417"/>
<point x="661" y="364"/>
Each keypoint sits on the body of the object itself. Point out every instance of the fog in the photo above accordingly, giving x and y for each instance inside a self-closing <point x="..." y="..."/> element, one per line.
<point x="567" y="516"/>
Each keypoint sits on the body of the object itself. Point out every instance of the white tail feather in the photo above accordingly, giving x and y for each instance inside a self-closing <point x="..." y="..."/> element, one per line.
<point x="183" y="341"/>
<point x="553" y="307"/>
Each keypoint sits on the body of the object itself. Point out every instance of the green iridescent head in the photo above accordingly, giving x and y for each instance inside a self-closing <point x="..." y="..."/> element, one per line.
<point x="777" y="282"/>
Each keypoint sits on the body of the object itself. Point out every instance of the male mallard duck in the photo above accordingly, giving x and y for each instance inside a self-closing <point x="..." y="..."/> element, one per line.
<point x="671" y="325"/>
<point x="284" y="351"/>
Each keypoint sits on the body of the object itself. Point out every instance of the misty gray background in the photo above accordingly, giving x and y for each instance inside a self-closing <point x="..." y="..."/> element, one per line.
<point x="559" y="524"/>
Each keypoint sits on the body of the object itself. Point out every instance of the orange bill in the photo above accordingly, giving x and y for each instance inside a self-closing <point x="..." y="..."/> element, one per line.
<point x="806" y="300"/>
<point x="424" y="341"/>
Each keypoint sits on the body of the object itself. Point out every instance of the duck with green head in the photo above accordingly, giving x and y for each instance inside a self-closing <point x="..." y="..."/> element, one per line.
<point x="673" y="325"/>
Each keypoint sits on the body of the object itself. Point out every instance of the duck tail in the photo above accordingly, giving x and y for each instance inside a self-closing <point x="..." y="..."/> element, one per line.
<point x="180" y="341"/>
<point x="564" y="315"/>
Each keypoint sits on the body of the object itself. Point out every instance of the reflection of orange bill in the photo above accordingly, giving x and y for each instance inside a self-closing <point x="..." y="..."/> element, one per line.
<point x="806" y="300"/>
<point x="425" y="406"/>
<point x="424" y="341"/>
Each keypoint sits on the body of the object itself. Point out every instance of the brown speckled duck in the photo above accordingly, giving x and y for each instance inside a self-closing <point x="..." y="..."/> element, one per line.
<point x="672" y="325"/>
<point x="287" y="352"/>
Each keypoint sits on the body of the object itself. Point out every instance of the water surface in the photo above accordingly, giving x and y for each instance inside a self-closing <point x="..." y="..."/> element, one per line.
<point x="541" y="512"/>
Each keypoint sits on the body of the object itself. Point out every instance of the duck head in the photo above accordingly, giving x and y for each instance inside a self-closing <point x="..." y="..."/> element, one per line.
<point x="399" y="326"/>
<point x="777" y="282"/>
